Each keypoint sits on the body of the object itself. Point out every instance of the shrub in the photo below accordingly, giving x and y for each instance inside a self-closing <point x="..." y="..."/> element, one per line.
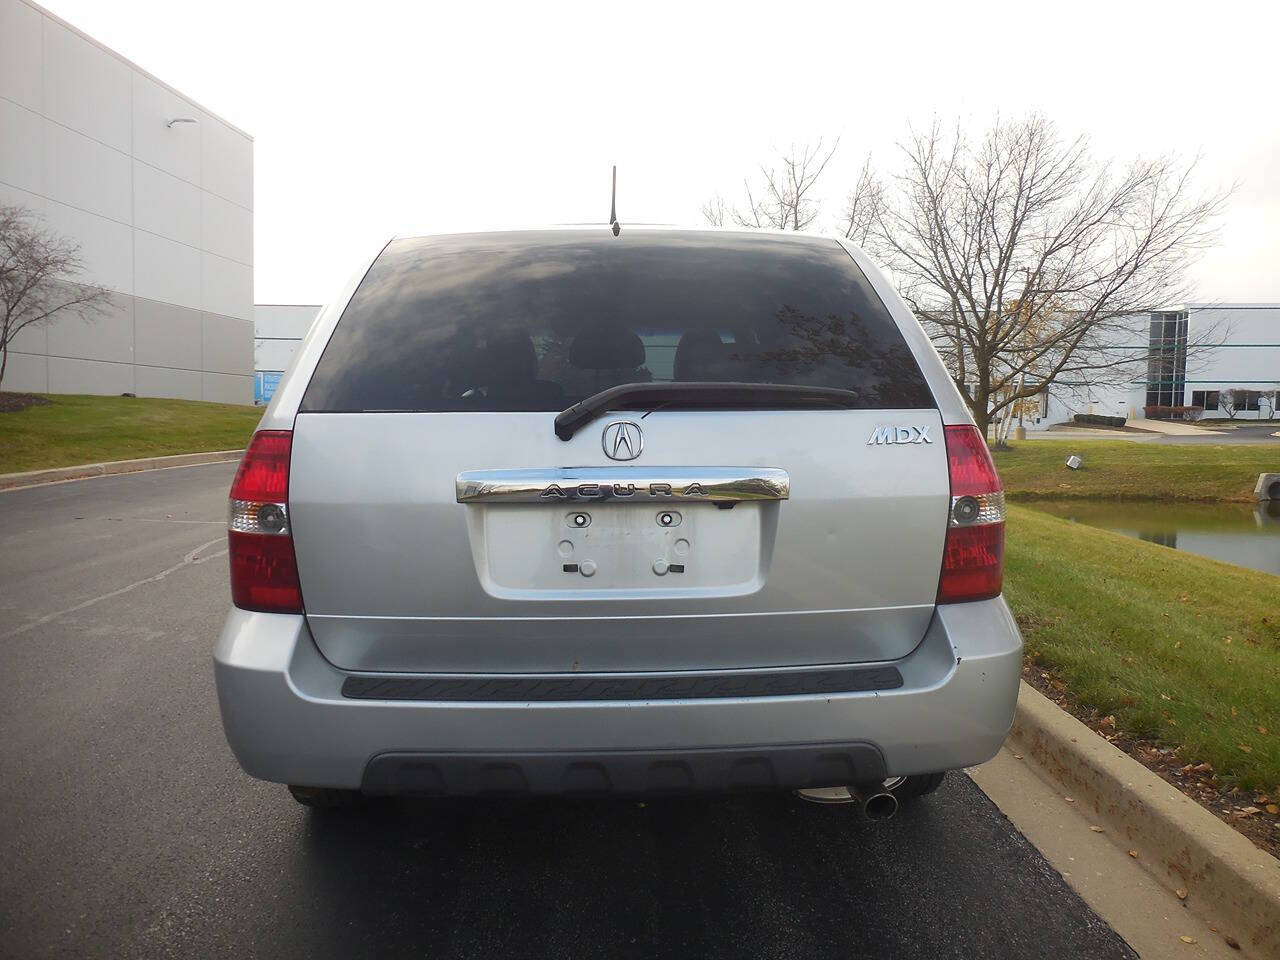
<point x="1098" y="420"/>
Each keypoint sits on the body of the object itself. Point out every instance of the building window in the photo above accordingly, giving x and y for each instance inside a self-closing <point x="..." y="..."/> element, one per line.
<point x="1206" y="399"/>
<point x="1167" y="360"/>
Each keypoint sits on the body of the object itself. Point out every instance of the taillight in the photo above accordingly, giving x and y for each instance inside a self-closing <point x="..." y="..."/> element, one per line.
<point x="973" y="557"/>
<point x="264" y="571"/>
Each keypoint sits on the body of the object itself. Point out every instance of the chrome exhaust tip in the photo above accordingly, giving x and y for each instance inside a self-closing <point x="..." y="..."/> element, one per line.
<point x="875" y="802"/>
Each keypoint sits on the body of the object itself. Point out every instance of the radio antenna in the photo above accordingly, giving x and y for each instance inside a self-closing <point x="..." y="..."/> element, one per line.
<point x="613" y="205"/>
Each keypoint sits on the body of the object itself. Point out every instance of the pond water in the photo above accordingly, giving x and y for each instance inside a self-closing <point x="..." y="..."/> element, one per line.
<point x="1248" y="536"/>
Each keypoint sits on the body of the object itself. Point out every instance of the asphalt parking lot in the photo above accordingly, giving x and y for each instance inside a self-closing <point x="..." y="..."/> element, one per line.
<point x="128" y="830"/>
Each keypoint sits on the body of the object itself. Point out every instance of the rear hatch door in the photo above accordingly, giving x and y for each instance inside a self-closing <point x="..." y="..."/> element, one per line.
<point x="442" y="381"/>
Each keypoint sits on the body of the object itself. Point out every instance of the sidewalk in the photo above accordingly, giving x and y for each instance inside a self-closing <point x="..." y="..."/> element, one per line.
<point x="1171" y="428"/>
<point x="1200" y="875"/>
<point x="16" y="481"/>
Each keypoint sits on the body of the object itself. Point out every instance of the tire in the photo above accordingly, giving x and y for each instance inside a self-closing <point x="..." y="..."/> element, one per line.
<point x="325" y="798"/>
<point x="918" y="785"/>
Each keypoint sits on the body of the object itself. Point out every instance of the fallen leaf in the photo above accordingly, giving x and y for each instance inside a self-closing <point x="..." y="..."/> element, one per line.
<point x="1249" y="811"/>
<point x="1262" y="730"/>
<point x="1235" y="712"/>
<point x="1272" y="809"/>
<point x="1178" y="645"/>
<point x="1241" y="746"/>
<point x="1181" y="893"/>
<point x="1185" y="939"/>
<point x="1165" y="696"/>
<point x="1134" y="854"/>
<point x="1017" y="756"/>
<point x="1095" y="828"/>
<point x="1069" y="799"/>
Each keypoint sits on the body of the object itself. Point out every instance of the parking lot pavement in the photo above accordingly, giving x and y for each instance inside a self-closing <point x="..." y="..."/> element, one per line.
<point x="128" y="830"/>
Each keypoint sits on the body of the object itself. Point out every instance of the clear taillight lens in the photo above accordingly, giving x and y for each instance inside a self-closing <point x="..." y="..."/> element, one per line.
<point x="264" y="570"/>
<point x="973" y="557"/>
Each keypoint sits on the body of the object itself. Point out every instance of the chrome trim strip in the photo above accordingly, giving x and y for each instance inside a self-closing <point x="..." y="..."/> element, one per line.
<point x="625" y="484"/>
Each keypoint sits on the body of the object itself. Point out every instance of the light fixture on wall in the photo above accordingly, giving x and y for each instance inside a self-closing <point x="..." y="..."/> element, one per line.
<point x="170" y="123"/>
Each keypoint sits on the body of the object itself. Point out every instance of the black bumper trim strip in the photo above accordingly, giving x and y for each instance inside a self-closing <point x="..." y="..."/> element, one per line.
<point x="671" y="687"/>
<point x="624" y="772"/>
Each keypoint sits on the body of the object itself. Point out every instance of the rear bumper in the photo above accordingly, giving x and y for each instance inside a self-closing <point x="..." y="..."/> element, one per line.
<point x="287" y="720"/>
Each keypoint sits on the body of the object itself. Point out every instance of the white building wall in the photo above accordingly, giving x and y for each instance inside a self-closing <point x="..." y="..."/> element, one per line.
<point x="164" y="217"/>
<point x="1249" y="355"/>
<point x="1230" y="345"/>
<point x="278" y="329"/>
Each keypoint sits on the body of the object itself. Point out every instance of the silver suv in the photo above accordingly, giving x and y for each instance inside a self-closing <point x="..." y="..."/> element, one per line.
<point x="568" y="512"/>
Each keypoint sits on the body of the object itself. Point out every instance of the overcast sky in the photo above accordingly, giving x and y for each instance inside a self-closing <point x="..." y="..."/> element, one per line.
<point x="371" y="118"/>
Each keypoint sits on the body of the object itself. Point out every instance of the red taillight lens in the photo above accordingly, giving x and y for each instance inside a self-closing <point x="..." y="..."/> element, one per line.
<point x="969" y="462"/>
<point x="973" y="556"/>
<point x="264" y="573"/>
<point x="972" y="563"/>
<point x="264" y="570"/>
<point x="264" y="471"/>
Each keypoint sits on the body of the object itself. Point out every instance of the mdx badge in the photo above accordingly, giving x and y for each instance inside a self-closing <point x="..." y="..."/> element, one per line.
<point x="622" y="440"/>
<point x="900" y="435"/>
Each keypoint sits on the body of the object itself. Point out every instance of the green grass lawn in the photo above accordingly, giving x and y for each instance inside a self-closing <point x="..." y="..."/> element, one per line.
<point x="1179" y="648"/>
<point x="1139" y="471"/>
<point x="76" y="429"/>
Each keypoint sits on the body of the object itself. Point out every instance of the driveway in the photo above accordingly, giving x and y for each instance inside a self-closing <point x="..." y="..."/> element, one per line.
<point x="128" y="829"/>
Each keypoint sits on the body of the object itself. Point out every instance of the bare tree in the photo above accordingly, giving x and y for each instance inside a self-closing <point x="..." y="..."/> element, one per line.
<point x="1027" y="260"/>
<point x="864" y="206"/>
<point x="714" y="211"/>
<point x="1233" y="400"/>
<point x="782" y="198"/>
<point x="37" y="278"/>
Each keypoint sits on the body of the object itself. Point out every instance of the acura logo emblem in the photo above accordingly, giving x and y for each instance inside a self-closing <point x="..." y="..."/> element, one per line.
<point x="622" y="440"/>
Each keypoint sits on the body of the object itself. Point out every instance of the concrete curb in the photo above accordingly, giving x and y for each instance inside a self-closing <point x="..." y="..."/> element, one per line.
<point x="1228" y="881"/>
<point x="10" y="481"/>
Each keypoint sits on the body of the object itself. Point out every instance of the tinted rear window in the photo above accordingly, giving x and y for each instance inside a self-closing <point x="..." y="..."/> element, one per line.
<point x="541" y="320"/>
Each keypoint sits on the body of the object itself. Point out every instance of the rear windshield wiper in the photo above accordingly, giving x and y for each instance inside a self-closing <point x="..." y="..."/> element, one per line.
<point x="694" y="393"/>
